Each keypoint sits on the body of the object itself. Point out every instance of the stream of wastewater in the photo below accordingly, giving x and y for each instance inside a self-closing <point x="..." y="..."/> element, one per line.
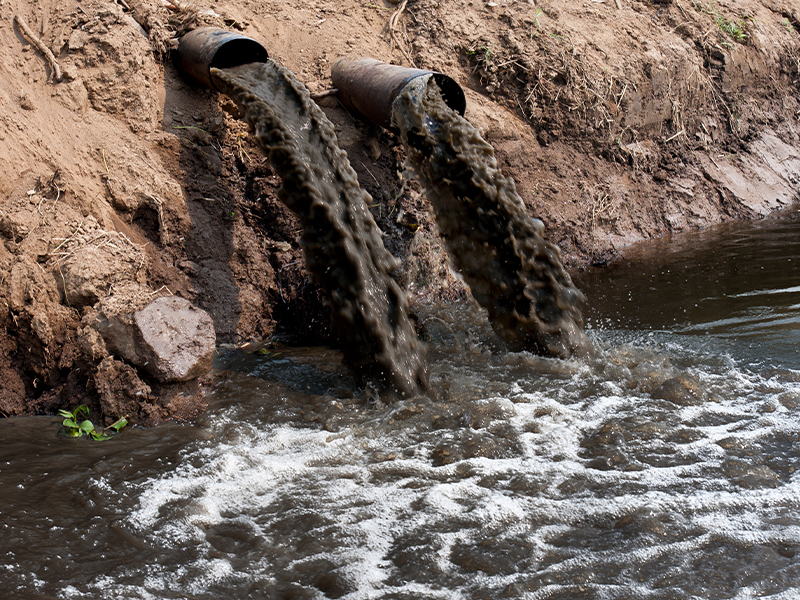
<point x="664" y="467"/>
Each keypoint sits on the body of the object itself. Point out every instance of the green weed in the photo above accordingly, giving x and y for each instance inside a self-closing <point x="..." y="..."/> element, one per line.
<point x="485" y="50"/>
<point x="700" y="8"/>
<point x="78" y="428"/>
<point x="536" y="23"/>
<point x="266" y="352"/>
<point x="735" y="29"/>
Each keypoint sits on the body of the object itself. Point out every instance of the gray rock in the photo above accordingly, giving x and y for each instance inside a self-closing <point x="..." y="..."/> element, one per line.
<point x="170" y="338"/>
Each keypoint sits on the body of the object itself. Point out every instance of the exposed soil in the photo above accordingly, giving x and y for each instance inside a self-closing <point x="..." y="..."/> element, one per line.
<point x="619" y="120"/>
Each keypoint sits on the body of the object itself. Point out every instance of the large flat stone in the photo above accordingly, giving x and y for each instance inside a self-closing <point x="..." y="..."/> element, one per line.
<point x="170" y="338"/>
<point x="177" y="337"/>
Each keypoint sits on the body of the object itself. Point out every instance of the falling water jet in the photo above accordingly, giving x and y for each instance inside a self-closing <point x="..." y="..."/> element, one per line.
<point x="511" y="270"/>
<point x="342" y="244"/>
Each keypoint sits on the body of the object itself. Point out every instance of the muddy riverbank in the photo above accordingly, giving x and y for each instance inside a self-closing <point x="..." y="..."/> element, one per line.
<point x="618" y="120"/>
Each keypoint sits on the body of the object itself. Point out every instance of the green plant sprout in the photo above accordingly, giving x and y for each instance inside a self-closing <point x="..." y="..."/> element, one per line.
<point x="268" y="353"/>
<point x="701" y="8"/>
<point x="78" y="428"/>
<point x="536" y="23"/>
<point x="486" y="50"/>
<point x="734" y="29"/>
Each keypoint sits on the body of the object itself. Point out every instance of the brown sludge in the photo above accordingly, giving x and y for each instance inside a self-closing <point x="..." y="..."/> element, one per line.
<point x="343" y="246"/>
<point x="511" y="270"/>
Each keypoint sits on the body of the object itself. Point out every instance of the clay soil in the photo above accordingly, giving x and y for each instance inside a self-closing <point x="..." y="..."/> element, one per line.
<point x="620" y="120"/>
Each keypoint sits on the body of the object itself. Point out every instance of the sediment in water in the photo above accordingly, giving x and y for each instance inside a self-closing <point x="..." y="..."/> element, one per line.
<point x="342" y="244"/>
<point x="511" y="270"/>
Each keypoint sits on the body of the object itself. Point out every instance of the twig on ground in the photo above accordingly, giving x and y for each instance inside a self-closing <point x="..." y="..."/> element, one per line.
<point x="74" y="233"/>
<point x="320" y="95"/>
<point x="370" y="172"/>
<point x="672" y="137"/>
<point x="243" y="155"/>
<point x="161" y="289"/>
<point x="622" y="94"/>
<point x="64" y="282"/>
<point x="392" y="25"/>
<point x="158" y="205"/>
<point x="39" y="44"/>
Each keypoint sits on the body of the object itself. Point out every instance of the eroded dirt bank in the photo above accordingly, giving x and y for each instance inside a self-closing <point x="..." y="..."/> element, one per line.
<point x="619" y="121"/>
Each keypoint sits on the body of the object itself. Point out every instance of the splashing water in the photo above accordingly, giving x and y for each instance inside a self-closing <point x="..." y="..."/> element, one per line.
<point x="664" y="467"/>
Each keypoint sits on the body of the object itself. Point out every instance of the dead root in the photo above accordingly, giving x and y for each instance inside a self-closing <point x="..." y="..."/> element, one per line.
<point x="163" y="24"/>
<point x="393" y="33"/>
<point x="40" y="46"/>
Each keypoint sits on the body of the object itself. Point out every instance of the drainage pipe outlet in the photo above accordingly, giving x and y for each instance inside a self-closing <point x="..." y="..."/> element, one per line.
<point x="209" y="48"/>
<point x="370" y="87"/>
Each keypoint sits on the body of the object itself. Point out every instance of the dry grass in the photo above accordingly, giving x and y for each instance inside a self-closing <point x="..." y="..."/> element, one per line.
<point x="113" y="242"/>
<point x="602" y="206"/>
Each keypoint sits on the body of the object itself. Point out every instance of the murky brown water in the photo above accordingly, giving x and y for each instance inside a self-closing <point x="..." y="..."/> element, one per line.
<point x="666" y="467"/>
<point x="343" y="246"/>
<point x="511" y="270"/>
<point x="734" y="288"/>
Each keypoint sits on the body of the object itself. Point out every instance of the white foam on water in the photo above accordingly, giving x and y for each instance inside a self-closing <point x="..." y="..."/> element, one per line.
<point x="768" y="292"/>
<point x="406" y="527"/>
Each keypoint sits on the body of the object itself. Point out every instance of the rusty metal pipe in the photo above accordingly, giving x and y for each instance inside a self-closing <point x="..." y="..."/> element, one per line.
<point x="370" y="87"/>
<point x="209" y="47"/>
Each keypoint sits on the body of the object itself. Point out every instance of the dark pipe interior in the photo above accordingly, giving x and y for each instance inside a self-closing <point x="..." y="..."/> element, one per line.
<point x="237" y="52"/>
<point x="205" y="48"/>
<point x="452" y="94"/>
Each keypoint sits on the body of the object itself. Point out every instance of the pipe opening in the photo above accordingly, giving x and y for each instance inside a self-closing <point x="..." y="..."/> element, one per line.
<point x="207" y="48"/>
<point x="369" y="87"/>
<point x="452" y="94"/>
<point x="237" y="52"/>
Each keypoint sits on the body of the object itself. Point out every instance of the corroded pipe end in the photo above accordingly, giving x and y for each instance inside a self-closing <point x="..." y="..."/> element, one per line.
<point x="370" y="87"/>
<point x="209" y="47"/>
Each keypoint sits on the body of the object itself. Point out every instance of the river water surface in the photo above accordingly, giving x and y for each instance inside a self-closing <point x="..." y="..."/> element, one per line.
<point x="665" y="467"/>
